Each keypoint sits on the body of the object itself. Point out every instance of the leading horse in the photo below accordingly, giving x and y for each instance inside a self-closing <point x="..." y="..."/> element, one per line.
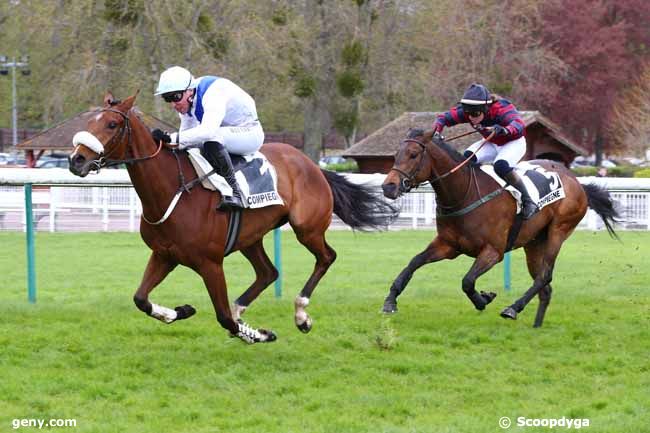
<point x="194" y="234"/>
<point x="476" y="218"/>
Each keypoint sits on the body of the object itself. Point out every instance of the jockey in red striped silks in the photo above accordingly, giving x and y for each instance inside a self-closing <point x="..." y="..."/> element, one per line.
<point x="488" y="113"/>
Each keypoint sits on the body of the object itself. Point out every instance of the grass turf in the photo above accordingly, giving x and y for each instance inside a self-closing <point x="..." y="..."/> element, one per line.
<point x="84" y="351"/>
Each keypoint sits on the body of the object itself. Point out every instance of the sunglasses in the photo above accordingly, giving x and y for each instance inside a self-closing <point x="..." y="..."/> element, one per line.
<point x="173" y="96"/>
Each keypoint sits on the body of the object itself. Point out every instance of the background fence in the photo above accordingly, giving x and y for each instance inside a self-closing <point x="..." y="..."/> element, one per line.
<point x="111" y="204"/>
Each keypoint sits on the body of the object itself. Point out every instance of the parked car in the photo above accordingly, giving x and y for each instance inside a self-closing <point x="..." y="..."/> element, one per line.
<point x="328" y="160"/>
<point x="13" y="161"/>
<point x="53" y="163"/>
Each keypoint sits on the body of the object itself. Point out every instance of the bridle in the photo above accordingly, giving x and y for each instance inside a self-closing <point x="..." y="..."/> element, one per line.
<point x="103" y="159"/>
<point x="407" y="181"/>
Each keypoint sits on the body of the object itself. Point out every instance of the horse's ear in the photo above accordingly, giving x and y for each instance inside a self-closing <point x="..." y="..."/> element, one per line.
<point x="128" y="102"/>
<point x="428" y="135"/>
<point x="108" y="98"/>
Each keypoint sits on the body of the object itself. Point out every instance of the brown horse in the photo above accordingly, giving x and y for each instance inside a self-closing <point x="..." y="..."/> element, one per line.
<point x="194" y="234"/>
<point x="475" y="218"/>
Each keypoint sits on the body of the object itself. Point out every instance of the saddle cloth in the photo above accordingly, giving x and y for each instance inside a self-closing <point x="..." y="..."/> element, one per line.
<point x="256" y="177"/>
<point x="544" y="187"/>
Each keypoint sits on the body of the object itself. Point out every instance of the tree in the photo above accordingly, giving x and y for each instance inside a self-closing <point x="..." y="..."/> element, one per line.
<point x="597" y="44"/>
<point x="630" y="126"/>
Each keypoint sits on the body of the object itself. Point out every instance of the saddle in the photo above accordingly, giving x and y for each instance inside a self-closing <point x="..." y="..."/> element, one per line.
<point x="544" y="187"/>
<point x="256" y="177"/>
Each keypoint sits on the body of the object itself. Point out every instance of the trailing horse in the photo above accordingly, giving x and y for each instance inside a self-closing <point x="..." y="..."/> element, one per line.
<point x="193" y="234"/>
<point x="477" y="219"/>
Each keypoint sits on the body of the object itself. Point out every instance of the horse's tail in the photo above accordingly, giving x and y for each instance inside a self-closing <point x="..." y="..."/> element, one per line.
<point x="599" y="200"/>
<point x="358" y="206"/>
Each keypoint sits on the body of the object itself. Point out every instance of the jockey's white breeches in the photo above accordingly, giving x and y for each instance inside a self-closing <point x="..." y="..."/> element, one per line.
<point x="512" y="152"/>
<point x="241" y="140"/>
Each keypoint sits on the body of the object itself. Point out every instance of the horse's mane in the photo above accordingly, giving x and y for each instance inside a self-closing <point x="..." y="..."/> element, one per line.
<point x="428" y="135"/>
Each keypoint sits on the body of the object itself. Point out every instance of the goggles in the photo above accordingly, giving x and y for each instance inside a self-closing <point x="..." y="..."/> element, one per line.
<point x="173" y="96"/>
<point x="474" y="110"/>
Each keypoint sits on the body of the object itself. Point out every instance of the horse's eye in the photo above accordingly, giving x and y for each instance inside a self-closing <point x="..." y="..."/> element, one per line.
<point x="414" y="155"/>
<point x="112" y="125"/>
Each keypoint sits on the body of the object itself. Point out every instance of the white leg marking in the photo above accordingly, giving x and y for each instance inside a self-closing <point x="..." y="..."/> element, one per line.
<point x="237" y="311"/>
<point x="163" y="314"/>
<point x="301" y="315"/>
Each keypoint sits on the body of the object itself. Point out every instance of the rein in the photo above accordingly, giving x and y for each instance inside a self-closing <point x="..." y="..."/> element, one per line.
<point x="409" y="177"/>
<point x="183" y="187"/>
<point x="445" y="211"/>
<point x="103" y="161"/>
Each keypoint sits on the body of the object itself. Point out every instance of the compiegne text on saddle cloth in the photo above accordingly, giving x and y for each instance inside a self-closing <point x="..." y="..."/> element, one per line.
<point x="256" y="177"/>
<point x="544" y="187"/>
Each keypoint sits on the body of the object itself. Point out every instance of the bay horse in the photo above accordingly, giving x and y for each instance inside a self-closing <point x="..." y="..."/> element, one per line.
<point x="475" y="218"/>
<point x="194" y="234"/>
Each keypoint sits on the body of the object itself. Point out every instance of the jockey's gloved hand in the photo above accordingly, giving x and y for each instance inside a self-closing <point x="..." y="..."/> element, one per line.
<point x="472" y="162"/>
<point x="500" y="131"/>
<point x="437" y="128"/>
<point x="160" y="135"/>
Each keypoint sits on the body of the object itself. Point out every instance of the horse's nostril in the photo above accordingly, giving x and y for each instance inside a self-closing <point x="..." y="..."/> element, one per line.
<point x="389" y="189"/>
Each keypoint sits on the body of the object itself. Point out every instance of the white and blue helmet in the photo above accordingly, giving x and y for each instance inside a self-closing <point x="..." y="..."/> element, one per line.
<point x="175" y="79"/>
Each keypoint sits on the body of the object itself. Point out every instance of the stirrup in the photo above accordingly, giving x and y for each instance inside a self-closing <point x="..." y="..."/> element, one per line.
<point x="528" y="210"/>
<point x="230" y="202"/>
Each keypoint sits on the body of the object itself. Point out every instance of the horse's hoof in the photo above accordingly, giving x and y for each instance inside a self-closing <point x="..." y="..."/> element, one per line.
<point x="509" y="313"/>
<point x="184" y="312"/>
<point x="390" y="307"/>
<point x="488" y="296"/>
<point x="305" y="326"/>
<point x="270" y="335"/>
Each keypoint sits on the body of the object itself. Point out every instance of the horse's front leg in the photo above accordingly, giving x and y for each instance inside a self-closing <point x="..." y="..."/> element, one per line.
<point x="486" y="259"/>
<point x="157" y="269"/>
<point x="215" y="282"/>
<point x="265" y="274"/>
<point x="437" y="250"/>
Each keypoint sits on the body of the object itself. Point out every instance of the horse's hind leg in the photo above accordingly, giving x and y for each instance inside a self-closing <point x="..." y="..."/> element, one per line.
<point x="325" y="256"/>
<point x="534" y="260"/>
<point x="265" y="274"/>
<point x="541" y="258"/>
<point x="435" y="251"/>
<point x="157" y="269"/>
<point x="544" y="299"/>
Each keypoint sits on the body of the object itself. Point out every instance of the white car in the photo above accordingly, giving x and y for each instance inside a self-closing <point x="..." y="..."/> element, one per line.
<point x="328" y="160"/>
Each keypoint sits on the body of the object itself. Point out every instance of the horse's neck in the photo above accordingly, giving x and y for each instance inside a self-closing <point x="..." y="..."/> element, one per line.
<point x="463" y="186"/>
<point x="154" y="180"/>
<point x="452" y="187"/>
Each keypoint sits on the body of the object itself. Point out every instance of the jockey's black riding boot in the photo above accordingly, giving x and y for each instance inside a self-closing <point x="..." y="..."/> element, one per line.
<point x="217" y="155"/>
<point x="528" y="206"/>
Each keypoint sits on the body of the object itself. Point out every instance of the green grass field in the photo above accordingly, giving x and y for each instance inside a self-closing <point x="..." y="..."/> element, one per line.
<point x="84" y="351"/>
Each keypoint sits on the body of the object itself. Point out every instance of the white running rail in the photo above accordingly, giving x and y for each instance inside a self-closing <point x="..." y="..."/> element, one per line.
<point x="107" y="202"/>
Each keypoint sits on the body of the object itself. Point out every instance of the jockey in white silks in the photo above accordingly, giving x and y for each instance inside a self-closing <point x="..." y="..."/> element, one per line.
<point x="216" y="116"/>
